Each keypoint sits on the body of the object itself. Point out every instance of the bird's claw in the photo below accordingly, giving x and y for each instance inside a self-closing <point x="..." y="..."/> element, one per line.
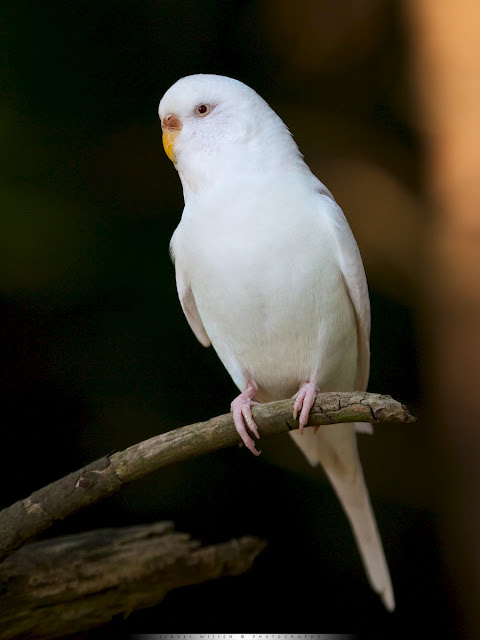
<point x="241" y="409"/>
<point x="304" y="399"/>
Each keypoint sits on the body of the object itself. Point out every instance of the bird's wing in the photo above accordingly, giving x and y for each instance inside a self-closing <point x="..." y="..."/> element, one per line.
<point x="189" y="306"/>
<point x="356" y="284"/>
<point x="335" y="446"/>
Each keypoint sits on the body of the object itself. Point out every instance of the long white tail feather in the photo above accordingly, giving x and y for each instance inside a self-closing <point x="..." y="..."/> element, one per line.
<point x="364" y="427"/>
<point x="335" y="447"/>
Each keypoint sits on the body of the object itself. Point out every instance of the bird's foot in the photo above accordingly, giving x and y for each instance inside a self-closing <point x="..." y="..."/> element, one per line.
<point x="241" y="409"/>
<point x="304" y="399"/>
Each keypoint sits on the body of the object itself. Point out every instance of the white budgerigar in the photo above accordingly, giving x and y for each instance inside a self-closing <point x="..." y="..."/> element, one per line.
<point x="269" y="273"/>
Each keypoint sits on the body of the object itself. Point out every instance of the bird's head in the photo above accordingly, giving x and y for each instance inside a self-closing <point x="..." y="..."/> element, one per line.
<point x="210" y="121"/>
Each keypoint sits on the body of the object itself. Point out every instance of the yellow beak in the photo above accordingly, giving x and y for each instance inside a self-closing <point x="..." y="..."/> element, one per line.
<point x="168" y="138"/>
<point x="171" y="127"/>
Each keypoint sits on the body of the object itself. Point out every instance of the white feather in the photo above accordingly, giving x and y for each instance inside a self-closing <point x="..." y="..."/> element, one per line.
<point x="269" y="272"/>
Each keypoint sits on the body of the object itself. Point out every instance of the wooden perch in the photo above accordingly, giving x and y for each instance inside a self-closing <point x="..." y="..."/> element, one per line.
<point x="72" y="583"/>
<point x="104" y="477"/>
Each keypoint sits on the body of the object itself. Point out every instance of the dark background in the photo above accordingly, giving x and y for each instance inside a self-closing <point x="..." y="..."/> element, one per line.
<point x="95" y="352"/>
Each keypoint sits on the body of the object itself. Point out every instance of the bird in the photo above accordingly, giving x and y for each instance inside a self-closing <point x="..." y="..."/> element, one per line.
<point x="269" y="273"/>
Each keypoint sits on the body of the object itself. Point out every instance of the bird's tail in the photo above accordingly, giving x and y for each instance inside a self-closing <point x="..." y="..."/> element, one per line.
<point x="335" y="447"/>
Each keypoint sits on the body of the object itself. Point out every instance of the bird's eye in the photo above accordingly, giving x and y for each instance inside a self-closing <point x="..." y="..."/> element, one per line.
<point x="202" y="110"/>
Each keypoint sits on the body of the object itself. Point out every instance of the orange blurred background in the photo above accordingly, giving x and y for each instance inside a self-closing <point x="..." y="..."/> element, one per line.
<point x="383" y="99"/>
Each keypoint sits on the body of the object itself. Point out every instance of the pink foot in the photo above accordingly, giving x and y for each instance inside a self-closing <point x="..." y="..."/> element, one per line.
<point x="304" y="399"/>
<point x="241" y="409"/>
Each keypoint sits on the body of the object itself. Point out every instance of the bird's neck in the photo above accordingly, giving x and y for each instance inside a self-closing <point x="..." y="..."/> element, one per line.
<point x="236" y="164"/>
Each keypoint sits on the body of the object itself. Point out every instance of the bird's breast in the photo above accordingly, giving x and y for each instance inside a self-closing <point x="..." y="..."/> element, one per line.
<point x="269" y="292"/>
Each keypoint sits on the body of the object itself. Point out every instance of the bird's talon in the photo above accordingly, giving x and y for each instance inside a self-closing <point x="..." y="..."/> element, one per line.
<point x="304" y="399"/>
<point x="251" y="425"/>
<point x="241" y="409"/>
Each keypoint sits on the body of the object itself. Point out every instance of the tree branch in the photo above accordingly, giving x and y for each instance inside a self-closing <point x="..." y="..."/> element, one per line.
<point x="104" y="477"/>
<point x="69" y="584"/>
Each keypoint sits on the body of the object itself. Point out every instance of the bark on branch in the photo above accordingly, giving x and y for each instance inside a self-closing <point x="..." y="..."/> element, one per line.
<point x="69" y="584"/>
<point x="104" y="477"/>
